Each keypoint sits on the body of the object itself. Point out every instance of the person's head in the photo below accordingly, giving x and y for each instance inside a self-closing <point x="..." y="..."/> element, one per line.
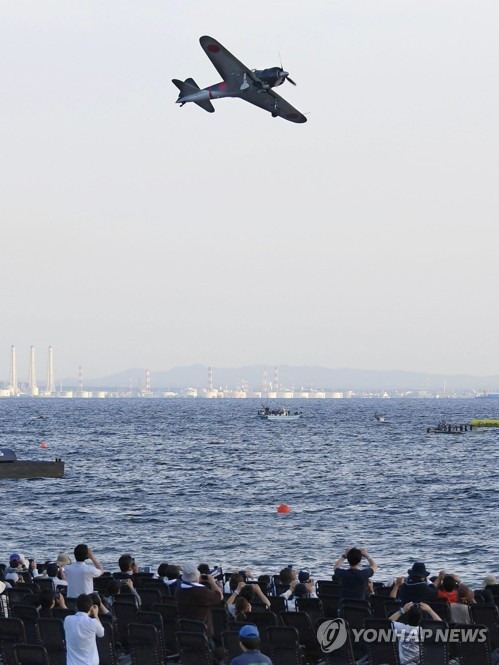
<point x="172" y="572"/>
<point x="488" y="580"/>
<point x="414" y="615"/>
<point x="264" y="579"/>
<point x="15" y="560"/>
<point x="304" y="576"/>
<point x="84" y="602"/>
<point x="162" y="568"/>
<point x="47" y="599"/>
<point x="242" y="606"/>
<point x="354" y="556"/>
<point x="449" y="583"/>
<point x="234" y="580"/>
<point x="300" y="591"/>
<point x="286" y="576"/>
<point x="52" y="569"/>
<point x="204" y="569"/>
<point x="190" y="573"/>
<point x="81" y="552"/>
<point x="249" y="638"/>
<point x="418" y="572"/>
<point x="247" y="592"/>
<point x="125" y="562"/>
<point x="467" y="596"/>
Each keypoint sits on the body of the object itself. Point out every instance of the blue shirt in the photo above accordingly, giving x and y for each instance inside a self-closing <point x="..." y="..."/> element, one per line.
<point x="251" y="658"/>
<point x="353" y="582"/>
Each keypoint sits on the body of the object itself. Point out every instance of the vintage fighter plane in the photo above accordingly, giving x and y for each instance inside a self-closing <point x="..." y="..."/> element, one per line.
<point x="255" y="86"/>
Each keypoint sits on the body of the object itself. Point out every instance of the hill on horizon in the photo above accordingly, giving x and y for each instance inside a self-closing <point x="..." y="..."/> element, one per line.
<point x="293" y="377"/>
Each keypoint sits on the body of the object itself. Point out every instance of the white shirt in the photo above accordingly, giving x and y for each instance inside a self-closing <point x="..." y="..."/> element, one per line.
<point x="80" y="577"/>
<point x="81" y="631"/>
<point x="408" y="642"/>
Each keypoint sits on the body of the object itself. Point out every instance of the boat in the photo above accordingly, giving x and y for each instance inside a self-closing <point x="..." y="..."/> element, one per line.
<point x="379" y="418"/>
<point x="11" y="467"/>
<point x="447" y="428"/>
<point x="278" y="414"/>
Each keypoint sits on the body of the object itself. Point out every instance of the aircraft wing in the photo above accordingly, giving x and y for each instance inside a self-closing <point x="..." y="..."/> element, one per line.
<point x="228" y="66"/>
<point x="268" y="100"/>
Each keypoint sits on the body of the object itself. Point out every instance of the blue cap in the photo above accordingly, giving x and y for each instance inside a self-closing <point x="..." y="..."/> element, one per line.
<point x="249" y="631"/>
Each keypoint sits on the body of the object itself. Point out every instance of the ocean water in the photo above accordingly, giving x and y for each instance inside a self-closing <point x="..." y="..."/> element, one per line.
<point x="177" y="480"/>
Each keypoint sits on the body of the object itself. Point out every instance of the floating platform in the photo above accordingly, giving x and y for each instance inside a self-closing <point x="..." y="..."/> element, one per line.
<point x="11" y="467"/>
<point x="485" y="422"/>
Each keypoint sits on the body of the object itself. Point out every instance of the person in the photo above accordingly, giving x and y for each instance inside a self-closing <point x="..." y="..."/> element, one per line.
<point x="194" y="600"/>
<point x="415" y="588"/>
<point x="81" y="631"/>
<point x="4" y="607"/>
<point x="408" y="633"/>
<point x="128" y="567"/>
<point x="251" y="592"/>
<point x="231" y="585"/>
<point x="249" y="641"/>
<point x="80" y="575"/>
<point x="242" y="607"/>
<point x="286" y="577"/>
<point x="353" y="581"/>
<point x="54" y="573"/>
<point x="48" y="600"/>
<point x="17" y="565"/>
<point x="296" y="591"/>
<point x="116" y="588"/>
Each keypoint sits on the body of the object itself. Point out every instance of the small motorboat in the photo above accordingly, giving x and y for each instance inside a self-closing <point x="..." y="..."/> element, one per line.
<point x="447" y="428"/>
<point x="278" y="414"/>
<point x="379" y="418"/>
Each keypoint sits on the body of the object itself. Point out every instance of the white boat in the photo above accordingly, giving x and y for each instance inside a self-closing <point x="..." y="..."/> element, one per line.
<point x="278" y="414"/>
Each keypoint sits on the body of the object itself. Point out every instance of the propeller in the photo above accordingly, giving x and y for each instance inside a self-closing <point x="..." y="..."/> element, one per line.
<point x="284" y="73"/>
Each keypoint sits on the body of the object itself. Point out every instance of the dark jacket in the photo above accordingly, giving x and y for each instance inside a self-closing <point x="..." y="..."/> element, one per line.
<point x="195" y="603"/>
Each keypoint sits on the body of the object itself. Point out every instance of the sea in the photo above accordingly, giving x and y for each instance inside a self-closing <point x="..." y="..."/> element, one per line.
<point x="176" y="480"/>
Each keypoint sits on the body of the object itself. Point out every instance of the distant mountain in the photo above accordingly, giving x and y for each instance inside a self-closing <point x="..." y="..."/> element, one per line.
<point x="320" y="378"/>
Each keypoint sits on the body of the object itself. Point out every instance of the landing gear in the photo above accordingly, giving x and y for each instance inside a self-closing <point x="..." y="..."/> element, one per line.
<point x="244" y="84"/>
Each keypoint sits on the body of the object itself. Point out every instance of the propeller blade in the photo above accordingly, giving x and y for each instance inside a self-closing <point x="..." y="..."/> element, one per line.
<point x="290" y="80"/>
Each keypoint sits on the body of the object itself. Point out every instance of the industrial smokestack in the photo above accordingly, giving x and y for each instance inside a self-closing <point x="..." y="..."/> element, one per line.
<point x="33" y="388"/>
<point x="50" y="376"/>
<point x="13" y="387"/>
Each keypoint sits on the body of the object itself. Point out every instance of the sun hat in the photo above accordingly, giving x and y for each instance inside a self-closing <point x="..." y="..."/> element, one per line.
<point x="249" y="631"/>
<point x="418" y="570"/>
<point x="63" y="559"/>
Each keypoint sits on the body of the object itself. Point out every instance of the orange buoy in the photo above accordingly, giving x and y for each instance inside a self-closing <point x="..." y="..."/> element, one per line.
<point x="43" y="445"/>
<point x="283" y="508"/>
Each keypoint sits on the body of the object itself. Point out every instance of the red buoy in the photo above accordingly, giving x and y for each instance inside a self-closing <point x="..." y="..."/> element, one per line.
<point x="43" y="445"/>
<point x="283" y="508"/>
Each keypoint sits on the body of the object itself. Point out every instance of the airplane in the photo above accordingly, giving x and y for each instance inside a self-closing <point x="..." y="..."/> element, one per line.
<point x="254" y="86"/>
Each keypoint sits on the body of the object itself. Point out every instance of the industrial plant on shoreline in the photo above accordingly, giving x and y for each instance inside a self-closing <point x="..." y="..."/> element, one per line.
<point x="268" y="389"/>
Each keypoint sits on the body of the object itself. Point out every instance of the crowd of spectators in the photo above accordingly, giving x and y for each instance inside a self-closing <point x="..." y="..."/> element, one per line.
<point x="198" y="589"/>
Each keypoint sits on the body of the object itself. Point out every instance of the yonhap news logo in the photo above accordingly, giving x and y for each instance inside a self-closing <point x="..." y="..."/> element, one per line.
<point x="332" y="635"/>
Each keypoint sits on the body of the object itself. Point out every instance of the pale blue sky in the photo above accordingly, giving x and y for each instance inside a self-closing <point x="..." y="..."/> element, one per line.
<point x="135" y="233"/>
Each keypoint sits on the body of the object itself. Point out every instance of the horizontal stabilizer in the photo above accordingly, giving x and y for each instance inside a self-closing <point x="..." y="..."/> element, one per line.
<point x="190" y="87"/>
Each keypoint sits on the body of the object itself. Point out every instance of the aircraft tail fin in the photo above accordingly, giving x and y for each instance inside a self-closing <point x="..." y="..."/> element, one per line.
<point x="189" y="87"/>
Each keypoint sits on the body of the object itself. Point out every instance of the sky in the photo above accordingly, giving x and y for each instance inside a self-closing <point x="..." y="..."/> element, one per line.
<point x="135" y="233"/>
